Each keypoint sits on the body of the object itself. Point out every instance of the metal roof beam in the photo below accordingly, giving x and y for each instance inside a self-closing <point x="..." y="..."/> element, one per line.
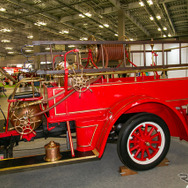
<point x="151" y="13"/>
<point x="117" y="4"/>
<point x="49" y="16"/>
<point x="169" y="19"/>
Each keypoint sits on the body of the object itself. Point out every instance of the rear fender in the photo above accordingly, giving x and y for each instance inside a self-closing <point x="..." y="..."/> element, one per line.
<point x="137" y="104"/>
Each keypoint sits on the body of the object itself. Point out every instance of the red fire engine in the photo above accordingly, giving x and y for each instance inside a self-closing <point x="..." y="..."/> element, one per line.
<point x="141" y="111"/>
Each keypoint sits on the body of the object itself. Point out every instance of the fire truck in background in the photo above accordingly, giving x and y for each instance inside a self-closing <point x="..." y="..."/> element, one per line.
<point x="134" y="103"/>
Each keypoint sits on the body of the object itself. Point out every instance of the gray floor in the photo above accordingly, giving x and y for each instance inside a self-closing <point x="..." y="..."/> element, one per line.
<point x="104" y="173"/>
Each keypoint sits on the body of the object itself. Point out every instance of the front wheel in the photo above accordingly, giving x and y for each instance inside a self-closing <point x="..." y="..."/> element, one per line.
<point x="143" y="141"/>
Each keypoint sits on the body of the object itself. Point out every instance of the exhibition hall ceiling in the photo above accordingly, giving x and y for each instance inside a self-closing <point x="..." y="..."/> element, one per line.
<point x="22" y="21"/>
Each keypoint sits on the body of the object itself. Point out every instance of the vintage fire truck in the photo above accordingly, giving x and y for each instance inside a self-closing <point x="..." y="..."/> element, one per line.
<point x="136" y="105"/>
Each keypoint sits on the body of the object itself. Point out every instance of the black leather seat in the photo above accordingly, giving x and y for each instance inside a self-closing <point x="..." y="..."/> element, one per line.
<point x="25" y="94"/>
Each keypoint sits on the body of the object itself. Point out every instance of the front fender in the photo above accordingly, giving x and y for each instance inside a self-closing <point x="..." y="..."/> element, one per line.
<point x="136" y="104"/>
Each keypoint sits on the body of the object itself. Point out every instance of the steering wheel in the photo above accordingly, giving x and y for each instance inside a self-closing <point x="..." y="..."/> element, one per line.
<point x="25" y="125"/>
<point x="80" y="83"/>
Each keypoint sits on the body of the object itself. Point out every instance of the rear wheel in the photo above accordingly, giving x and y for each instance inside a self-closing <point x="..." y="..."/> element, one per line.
<point x="143" y="141"/>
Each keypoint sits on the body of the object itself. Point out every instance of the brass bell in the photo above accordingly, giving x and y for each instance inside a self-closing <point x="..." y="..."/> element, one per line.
<point x="52" y="150"/>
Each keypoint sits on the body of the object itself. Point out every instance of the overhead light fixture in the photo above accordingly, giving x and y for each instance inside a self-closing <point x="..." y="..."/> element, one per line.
<point x="169" y="35"/>
<point x="5" y="30"/>
<point x="81" y="15"/>
<point x="10" y="52"/>
<point x="116" y="34"/>
<point x="2" y="9"/>
<point x="158" y="17"/>
<point x="151" y="18"/>
<point x="164" y="28"/>
<point x="106" y="25"/>
<point x="64" y="32"/>
<point x="71" y="46"/>
<point x="40" y="23"/>
<point x="5" y="40"/>
<point x="45" y="62"/>
<point x="30" y="36"/>
<point x="47" y="48"/>
<point x="164" y="35"/>
<point x="88" y="14"/>
<point x="28" y="50"/>
<point x="101" y="26"/>
<point x="131" y="39"/>
<point x="8" y="48"/>
<point x="83" y="38"/>
<point x="141" y="3"/>
<point x="159" y="29"/>
<point x="150" y="2"/>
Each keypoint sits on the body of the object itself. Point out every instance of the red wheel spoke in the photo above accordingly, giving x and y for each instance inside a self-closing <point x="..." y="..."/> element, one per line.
<point x="133" y="141"/>
<point x="155" y="135"/>
<point x="142" y="154"/>
<point x="137" y="136"/>
<point x="154" y="149"/>
<point x="155" y="142"/>
<point x="151" y="131"/>
<point x="140" y="131"/>
<point x="133" y="148"/>
<point x="146" y="130"/>
<point x="138" y="151"/>
<point x="147" y="151"/>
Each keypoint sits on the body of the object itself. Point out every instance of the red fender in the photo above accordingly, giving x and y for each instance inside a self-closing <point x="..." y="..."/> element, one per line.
<point x="132" y="104"/>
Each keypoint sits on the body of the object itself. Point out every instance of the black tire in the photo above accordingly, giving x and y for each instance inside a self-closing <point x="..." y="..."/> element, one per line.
<point x="139" y="150"/>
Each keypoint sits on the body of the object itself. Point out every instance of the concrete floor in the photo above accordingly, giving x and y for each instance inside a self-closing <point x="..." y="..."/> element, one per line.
<point x="101" y="173"/>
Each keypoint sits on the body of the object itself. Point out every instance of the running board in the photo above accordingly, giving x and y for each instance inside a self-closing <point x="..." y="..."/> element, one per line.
<point x="37" y="161"/>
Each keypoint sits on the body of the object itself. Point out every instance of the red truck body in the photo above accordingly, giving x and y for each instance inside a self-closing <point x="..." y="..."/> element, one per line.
<point x="96" y="112"/>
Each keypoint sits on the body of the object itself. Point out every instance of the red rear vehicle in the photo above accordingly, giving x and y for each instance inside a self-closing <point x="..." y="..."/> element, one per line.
<point x="141" y="111"/>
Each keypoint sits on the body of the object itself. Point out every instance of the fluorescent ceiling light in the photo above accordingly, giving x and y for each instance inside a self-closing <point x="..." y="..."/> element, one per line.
<point x="158" y="17"/>
<point x="141" y="3"/>
<point x="81" y="15"/>
<point x="10" y="52"/>
<point x="150" y="2"/>
<point x="2" y="9"/>
<point x="116" y="34"/>
<point x="164" y="28"/>
<point x="5" y="30"/>
<point x="30" y="36"/>
<point x="44" y="62"/>
<point x="40" y="23"/>
<point x="159" y="29"/>
<point x="64" y="32"/>
<point x="5" y="40"/>
<point x="106" y="25"/>
<point x="71" y="46"/>
<point x="83" y="38"/>
<point x="88" y="14"/>
<point x="8" y="48"/>
<point x="164" y="35"/>
<point x="47" y="48"/>
<point x="151" y="18"/>
<point x="101" y="26"/>
<point x="169" y="35"/>
<point x="28" y="50"/>
<point x="131" y="39"/>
